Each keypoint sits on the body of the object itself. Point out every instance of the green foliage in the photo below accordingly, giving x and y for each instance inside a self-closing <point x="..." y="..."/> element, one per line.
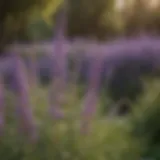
<point x="109" y="139"/>
<point x="88" y="18"/>
<point x="145" y="121"/>
<point x="14" y="17"/>
<point x="133" y="137"/>
<point x="39" y="30"/>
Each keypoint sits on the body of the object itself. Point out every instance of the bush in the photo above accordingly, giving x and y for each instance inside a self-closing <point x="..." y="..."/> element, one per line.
<point x="145" y="121"/>
<point x="124" y="84"/>
<point x="62" y="140"/>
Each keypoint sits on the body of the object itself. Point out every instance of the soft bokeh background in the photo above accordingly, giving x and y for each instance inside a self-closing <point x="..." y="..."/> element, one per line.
<point x="28" y="28"/>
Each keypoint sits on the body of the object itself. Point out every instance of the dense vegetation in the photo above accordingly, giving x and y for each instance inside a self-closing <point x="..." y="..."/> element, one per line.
<point x="50" y="122"/>
<point x="131" y="137"/>
<point x="36" y="22"/>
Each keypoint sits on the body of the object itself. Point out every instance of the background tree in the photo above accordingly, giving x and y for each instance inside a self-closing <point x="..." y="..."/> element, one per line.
<point x="141" y="17"/>
<point x="14" y="16"/>
<point x="91" y="18"/>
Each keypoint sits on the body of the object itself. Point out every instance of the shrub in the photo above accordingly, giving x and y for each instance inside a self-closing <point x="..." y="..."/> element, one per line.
<point x="145" y="121"/>
<point x="62" y="140"/>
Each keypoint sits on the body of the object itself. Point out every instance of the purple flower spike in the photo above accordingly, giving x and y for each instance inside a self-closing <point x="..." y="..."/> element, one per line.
<point x="60" y="64"/>
<point x="91" y="97"/>
<point x="24" y="112"/>
<point x="32" y="69"/>
<point x="2" y="106"/>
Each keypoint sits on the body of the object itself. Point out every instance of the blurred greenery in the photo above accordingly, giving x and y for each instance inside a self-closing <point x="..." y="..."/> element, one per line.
<point x="132" y="137"/>
<point x="91" y="19"/>
<point x="15" y="16"/>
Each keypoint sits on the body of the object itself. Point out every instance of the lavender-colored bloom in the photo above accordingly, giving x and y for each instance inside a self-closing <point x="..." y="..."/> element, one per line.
<point x="60" y="63"/>
<point x="24" y="112"/>
<point x="33" y="70"/>
<point x="91" y="98"/>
